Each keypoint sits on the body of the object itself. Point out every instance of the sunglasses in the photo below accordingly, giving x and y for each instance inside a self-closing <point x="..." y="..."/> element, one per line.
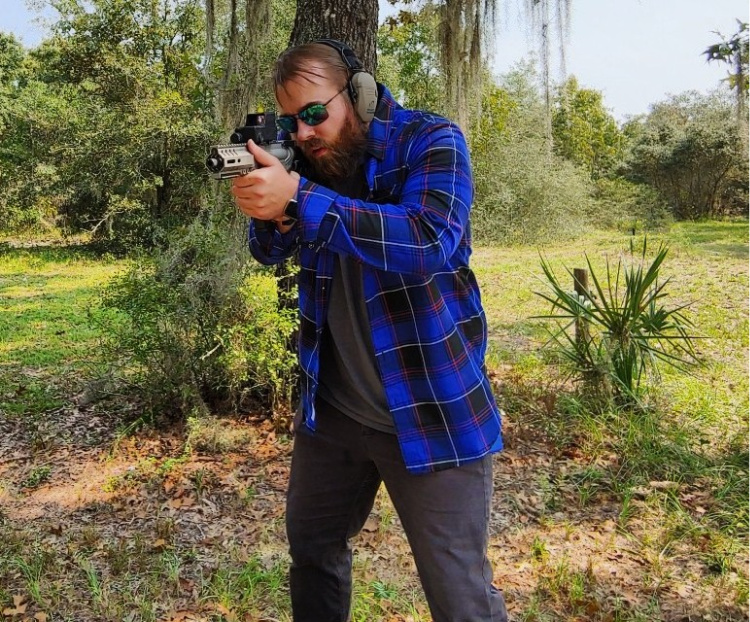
<point x="314" y="114"/>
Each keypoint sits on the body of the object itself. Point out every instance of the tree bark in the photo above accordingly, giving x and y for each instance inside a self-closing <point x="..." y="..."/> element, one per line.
<point x="354" y="23"/>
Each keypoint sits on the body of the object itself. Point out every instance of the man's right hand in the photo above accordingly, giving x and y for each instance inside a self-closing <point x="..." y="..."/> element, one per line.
<point x="265" y="191"/>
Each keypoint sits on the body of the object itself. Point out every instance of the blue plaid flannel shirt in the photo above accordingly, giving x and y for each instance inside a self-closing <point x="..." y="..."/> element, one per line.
<point x="413" y="240"/>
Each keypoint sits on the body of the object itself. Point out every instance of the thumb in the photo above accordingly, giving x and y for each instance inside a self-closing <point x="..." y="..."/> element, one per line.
<point x="262" y="157"/>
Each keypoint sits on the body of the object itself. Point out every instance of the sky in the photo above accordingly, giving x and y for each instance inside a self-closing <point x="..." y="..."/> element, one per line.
<point x="636" y="52"/>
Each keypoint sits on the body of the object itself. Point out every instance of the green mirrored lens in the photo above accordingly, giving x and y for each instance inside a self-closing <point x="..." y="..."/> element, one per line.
<point x="286" y="123"/>
<point x="313" y="115"/>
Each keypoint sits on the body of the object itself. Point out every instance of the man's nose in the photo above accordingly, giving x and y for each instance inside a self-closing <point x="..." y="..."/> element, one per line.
<point x="304" y="131"/>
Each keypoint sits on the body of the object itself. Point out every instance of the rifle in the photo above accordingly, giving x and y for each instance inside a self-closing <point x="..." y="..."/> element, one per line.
<point x="233" y="160"/>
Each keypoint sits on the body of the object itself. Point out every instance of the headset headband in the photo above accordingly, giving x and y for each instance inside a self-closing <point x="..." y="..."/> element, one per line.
<point x="353" y="64"/>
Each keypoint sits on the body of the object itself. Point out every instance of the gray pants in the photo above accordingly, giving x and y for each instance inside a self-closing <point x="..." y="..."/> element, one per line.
<point x="335" y="476"/>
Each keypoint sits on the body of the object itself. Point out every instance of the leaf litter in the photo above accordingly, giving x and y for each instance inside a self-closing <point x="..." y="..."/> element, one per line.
<point x="127" y="508"/>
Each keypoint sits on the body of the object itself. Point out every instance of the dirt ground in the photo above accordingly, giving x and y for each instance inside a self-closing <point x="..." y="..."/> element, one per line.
<point x="74" y="489"/>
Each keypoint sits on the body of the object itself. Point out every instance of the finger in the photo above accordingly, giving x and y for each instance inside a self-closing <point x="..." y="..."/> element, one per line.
<point x="262" y="157"/>
<point x="243" y="181"/>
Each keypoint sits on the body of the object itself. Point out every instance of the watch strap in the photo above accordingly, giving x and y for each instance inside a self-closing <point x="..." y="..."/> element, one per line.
<point x="291" y="212"/>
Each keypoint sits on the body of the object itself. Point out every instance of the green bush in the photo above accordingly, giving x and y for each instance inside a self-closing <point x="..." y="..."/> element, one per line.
<point x="197" y="326"/>
<point x="524" y="193"/>
<point x="622" y="204"/>
<point x="691" y="149"/>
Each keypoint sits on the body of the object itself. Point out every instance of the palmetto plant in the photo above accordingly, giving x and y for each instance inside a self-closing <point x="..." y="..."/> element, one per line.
<point x="625" y="330"/>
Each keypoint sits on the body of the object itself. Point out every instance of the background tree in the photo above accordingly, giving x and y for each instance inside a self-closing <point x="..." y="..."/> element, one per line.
<point x="409" y="59"/>
<point x="690" y="150"/>
<point x="467" y="29"/>
<point x="355" y="23"/>
<point x="13" y="148"/>
<point x="583" y="131"/>
<point x="524" y="193"/>
<point x="36" y="117"/>
<point x="735" y="51"/>
<point x="549" y="22"/>
<point x="137" y="114"/>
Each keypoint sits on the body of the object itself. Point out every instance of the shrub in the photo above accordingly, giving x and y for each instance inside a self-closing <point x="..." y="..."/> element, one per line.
<point x="197" y="326"/>
<point x="626" y="205"/>
<point x="690" y="148"/>
<point x="524" y="193"/>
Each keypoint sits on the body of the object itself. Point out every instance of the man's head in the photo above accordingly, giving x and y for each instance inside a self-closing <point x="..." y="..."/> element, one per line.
<point x="316" y="74"/>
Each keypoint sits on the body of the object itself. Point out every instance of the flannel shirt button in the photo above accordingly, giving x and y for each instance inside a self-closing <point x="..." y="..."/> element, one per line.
<point x="311" y="245"/>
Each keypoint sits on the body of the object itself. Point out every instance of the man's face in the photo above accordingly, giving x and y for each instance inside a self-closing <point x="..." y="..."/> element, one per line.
<point x="334" y="146"/>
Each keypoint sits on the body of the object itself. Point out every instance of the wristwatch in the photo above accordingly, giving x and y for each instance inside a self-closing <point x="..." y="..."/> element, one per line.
<point x="291" y="212"/>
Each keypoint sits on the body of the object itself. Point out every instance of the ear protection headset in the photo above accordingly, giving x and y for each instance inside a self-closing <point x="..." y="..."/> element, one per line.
<point x="361" y="86"/>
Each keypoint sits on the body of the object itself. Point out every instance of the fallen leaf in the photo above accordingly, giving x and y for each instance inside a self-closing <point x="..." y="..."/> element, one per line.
<point x="19" y="606"/>
<point x="664" y="485"/>
<point x="186" y="585"/>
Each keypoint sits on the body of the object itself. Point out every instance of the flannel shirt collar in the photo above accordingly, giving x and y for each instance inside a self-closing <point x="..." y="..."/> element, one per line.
<point x="380" y="126"/>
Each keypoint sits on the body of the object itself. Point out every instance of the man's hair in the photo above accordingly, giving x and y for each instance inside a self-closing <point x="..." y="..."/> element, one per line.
<point x="309" y="59"/>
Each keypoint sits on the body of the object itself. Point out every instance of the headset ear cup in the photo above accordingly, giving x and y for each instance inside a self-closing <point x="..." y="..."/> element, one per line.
<point x="365" y="95"/>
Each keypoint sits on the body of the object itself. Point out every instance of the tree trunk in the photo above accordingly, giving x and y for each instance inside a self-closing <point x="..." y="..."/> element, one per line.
<point x="354" y="23"/>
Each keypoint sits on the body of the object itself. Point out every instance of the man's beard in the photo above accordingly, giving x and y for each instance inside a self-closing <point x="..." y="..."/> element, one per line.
<point x="343" y="155"/>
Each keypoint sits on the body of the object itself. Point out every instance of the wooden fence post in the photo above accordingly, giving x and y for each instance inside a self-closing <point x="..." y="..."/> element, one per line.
<point x="581" y="285"/>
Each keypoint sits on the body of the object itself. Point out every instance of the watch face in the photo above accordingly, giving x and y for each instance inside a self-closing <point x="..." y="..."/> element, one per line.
<point x="291" y="211"/>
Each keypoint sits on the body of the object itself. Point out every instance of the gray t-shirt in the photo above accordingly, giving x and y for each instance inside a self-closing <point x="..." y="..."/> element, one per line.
<point x="349" y="379"/>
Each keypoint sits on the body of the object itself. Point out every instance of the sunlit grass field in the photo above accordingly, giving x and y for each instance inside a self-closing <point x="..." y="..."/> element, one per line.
<point x="46" y="337"/>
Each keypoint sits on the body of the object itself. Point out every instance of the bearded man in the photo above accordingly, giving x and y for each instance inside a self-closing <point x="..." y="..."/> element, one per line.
<point x="392" y="334"/>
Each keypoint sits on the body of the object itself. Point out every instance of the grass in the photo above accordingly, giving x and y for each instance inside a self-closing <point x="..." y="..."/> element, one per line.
<point x="45" y="334"/>
<point x="599" y="514"/>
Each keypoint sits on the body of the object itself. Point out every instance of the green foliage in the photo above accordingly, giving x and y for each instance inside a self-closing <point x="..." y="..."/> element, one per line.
<point x="37" y="476"/>
<point x="623" y="329"/>
<point x="584" y="132"/>
<point x="524" y="193"/>
<point x="105" y="124"/>
<point x="198" y="325"/>
<point x="11" y="58"/>
<point x="734" y="51"/>
<point x="107" y="127"/>
<point x="689" y="149"/>
<point x="627" y="205"/>
<point x="24" y="173"/>
<point x="408" y="59"/>
<point x="146" y="116"/>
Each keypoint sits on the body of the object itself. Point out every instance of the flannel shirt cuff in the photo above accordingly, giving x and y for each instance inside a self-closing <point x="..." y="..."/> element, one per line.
<point x="264" y="236"/>
<point x="314" y="201"/>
